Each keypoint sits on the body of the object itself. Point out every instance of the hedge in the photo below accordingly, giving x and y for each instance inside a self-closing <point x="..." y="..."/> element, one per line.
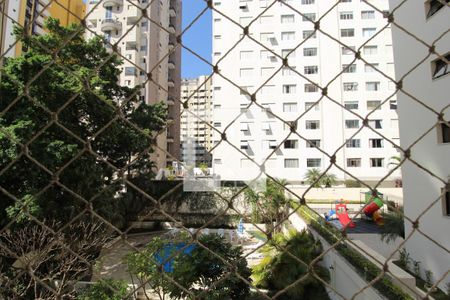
<point x="363" y="266"/>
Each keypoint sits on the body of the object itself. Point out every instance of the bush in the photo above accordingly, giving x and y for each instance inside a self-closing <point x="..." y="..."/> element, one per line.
<point x="352" y="184"/>
<point x="107" y="289"/>
<point x="205" y="275"/>
<point x="278" y="269"/>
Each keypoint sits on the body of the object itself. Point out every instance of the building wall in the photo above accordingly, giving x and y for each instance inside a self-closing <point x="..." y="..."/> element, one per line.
<point x="197" y="118"/>
<point x="253" y="69"/>
<point x="146" y="48"/>
<point x="68" y="11"/>
<point x="420" y="188"/>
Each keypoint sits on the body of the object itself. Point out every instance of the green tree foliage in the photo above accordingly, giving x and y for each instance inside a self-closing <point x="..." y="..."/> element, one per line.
<point x="315" y="179"/>
<point x="279" y="269"/>
<point x="270" y="205"/>
<point x="207" y="274"/>
<point x="62" y="100"/>
<point x="394" y="225"/>
<point x="107" y="289"/>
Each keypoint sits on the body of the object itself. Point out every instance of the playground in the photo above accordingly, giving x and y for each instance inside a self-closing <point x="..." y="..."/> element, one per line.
<point x="356" y="218"/>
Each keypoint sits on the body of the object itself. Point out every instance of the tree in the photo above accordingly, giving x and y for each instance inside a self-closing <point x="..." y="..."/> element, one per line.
<point x="270" y="205"/>
<point x="394" y="225"/>
<point x="207" y="274"/>
<point x="107" y="289"/>
<point x="279" y="269"/>
<point x="57" y="260"/>
<point x="63" y="100"/>
<point x="314" y="179"/>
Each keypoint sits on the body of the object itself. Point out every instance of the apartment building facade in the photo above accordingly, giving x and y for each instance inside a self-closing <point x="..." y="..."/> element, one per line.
<point x="429" y="83"/>
<point x="280" y="115"/>
<point x="196" y="120"/>
<point x="31" y="15"/>
<point x="147" y="47"/>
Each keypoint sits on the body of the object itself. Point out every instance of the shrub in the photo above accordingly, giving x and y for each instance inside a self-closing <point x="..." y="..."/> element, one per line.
<point x="107" y="289"/>
<point x="279" y="269"/>
<point x="352" y="184"/>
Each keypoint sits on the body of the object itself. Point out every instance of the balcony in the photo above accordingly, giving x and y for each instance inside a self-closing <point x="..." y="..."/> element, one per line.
<point x="109" y="3"/>
<point x="110" y="25"/>
<point x="171" y="46"/>
<point x="171" y="65"/>
<point x="172" y="12"/>
<point x="133" y="15"/>
<point x="172" y="28"/>
<point x="170" y="101"/>
<point x="171" y="83"/>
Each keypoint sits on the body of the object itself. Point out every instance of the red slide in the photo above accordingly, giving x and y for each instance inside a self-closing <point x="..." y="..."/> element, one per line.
<point x="341" y="212"/>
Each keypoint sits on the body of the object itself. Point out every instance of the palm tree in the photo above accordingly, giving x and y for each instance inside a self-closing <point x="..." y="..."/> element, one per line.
<point x="394" y="225"/>
<point x="312" y="177"/>
<point x="395" y="160"/>
<point x="328" y="180"/>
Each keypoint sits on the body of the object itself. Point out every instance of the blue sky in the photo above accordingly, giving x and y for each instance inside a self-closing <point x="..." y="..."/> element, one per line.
<point x="197" y="38"/>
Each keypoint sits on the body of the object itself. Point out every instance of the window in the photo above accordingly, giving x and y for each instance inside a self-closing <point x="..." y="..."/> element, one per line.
<point x="346" y="15"/>
<point x="313" y="162"/>
<point x="273" y="144"/>
<point x="288" y="52"/>
<point x="377" y="124"/>
<point x="351" y="104"/>
<point x="289" y="88"/>
<point x="291" y="124"/>
<point x="370" y="50"/>
<point x="350" y="124"/>
<point x="217" y="37"/>
<point x="266" y="127"/>
<point x="368" y="32"/>
<point x="370" y="68"/>
<point x="245" y="127"/>
<point x="245" y="145"/>
<point x="350" y="86"/>
<point x="266" y="36"/>
<point x="376" y="162"/>
<point x="290" y="107"/>
<point x="350" y="32"/>
<point x="308" y="105"/>
<point x="353" y="162"/>
<point x="217" y="20"/>
<point x="288" y="71"/>
<point x="367" y="14"/>
<point x="309" y="17"/>
<point x="309" y="34"/>
<point x="266" y="19"/>
<point x="246" y="72"/>
<point x="373" y="104"/>
<point x="217" y="124"/>
<point x="311" y="69"/>
<point x="393" y="104"/>
<point x="372" y="86"/>
<point x="444" y="133"/>
<point x="267" y="72"/>
<point x="353" y="143"/>
<point x="440" y="67"/>
<point x="306" y="2"/>
<point x="291" y="144"/>
<point x="287" y="19"/>
<point x="309" y="51"/>
<point x="346" y="1"/>
<point x="349" y="68"/>
<point x="130" y="71"/>
<point x="446" y="203"/>
<point x="375" y="143"/>
<point x="313" y="125"/>
<point x="288" y="36"/>
<point x="291" y="163"/>
<point x="434" y="6"/>
<point x="246" y="55"/>
<point x="348" y="50"/>
<point x="313" y="143"/>
<point x="217" y="161"/>
<point x="310" y="88"/>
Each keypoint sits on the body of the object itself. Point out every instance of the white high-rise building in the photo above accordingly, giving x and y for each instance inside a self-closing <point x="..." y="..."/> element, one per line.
<point x="196" y="131"/>
<point x="428" y="83"/>
<point x="152" y="46"/>
<point x="321" y="125"/>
